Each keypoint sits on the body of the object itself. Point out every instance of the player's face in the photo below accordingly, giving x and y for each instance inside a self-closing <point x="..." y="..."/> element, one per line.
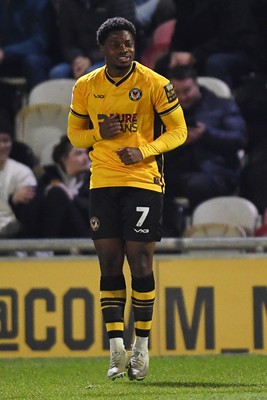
<point x="118" y="50"/>
<point x="187" y="91"/>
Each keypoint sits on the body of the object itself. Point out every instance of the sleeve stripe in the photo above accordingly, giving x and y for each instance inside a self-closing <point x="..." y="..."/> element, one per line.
<point x="169" y="110"/>
<point x="78" y="115"/>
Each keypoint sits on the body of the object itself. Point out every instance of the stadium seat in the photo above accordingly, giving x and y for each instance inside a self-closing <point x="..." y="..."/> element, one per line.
<point x="56" y="91"/>
<point x="41" y="126"/>
<point x="230" y="214"/>
<point x="219" y="87"/>
<point x="214" y="230"/>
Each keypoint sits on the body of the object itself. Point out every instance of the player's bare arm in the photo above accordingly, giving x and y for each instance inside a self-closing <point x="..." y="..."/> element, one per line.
<point x="110" y="127"/>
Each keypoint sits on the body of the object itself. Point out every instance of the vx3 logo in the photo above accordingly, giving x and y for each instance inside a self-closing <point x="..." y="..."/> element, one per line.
<point x="99" y="96"/>
<point x="141" y="230"/>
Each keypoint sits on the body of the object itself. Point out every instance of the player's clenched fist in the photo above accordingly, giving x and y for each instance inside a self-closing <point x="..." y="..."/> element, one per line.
<point x="130" y="155"/>
<point x="110" y="127"/>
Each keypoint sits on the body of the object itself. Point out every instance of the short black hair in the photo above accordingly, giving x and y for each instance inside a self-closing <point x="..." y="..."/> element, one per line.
<point x="182" y="72"/>
<point x="61" y="149"/>
<point x="114" y="24"/>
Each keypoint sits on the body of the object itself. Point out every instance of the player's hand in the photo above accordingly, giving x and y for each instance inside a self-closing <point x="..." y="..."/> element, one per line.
<point x="110" y="127"/>
<point x="130" y="155"/>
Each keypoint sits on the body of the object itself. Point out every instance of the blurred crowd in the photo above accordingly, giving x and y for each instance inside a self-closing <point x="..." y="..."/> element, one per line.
<point x="226" y="150"/>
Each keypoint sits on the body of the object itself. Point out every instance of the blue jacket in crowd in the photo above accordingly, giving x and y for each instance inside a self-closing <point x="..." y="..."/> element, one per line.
<point x="24" y="27"/>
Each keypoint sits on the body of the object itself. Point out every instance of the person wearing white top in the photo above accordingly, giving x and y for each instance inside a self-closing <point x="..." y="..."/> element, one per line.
<point x="17" y="187"/>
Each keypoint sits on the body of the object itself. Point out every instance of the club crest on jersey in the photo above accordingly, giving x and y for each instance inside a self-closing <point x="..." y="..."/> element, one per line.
<point x="94" y="223"/>
<point x="135" y="94"/>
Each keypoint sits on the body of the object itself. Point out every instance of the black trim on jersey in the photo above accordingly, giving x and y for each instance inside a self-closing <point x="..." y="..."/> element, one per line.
<point x="124" y="78"/>
<point x="166" y="112"/>
<point x="159" y="128"/>
<point x="84" y="116"/>
<point x="160" y="163"/>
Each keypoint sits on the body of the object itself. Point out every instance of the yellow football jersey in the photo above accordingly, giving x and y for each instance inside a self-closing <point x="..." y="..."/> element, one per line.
<point x="150" y="116"/>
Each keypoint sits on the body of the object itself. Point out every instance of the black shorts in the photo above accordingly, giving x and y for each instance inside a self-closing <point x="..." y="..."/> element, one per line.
<point x="126" y="212"/>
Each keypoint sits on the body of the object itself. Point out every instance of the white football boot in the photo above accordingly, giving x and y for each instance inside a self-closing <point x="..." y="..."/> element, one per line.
<point x="118" y="363"/>
<point x="138" y="365"/>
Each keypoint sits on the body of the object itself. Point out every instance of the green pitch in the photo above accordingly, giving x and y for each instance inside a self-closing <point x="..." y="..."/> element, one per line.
<point x="227" y="377"/>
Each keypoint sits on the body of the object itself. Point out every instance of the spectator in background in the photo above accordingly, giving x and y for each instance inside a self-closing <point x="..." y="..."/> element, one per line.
<point x="17" y="189"/>
<point x="64" y="193"/>
<point x="208" y="164"/>
<point x="252" y="100"/>
<point x="24" y="39"/>
<point x="78" y="22"/>
<point x="25" y="44"/>
<point x="221" y="39"/>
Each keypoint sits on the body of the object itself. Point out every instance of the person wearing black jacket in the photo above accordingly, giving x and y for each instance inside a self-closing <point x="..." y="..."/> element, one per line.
<point x="218" y="37"/>
<point x="208" y="165"/>
<point x="64" y="193"/>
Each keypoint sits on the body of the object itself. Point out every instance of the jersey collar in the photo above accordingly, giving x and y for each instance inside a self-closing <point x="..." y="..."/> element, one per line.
<point x="123" y="79"/>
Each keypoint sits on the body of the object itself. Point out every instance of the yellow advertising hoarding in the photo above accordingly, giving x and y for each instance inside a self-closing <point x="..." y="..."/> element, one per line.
<point x="213" y="306"/>
<point x="50" y="307"/>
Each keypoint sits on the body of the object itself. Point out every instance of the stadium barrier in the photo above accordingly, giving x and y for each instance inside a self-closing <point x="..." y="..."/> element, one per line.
<point x="211" y="299"/>
<point x="167" y="245"/>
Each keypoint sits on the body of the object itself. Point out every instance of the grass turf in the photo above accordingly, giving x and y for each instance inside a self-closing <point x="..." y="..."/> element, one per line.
<point x="223" y="377"/>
